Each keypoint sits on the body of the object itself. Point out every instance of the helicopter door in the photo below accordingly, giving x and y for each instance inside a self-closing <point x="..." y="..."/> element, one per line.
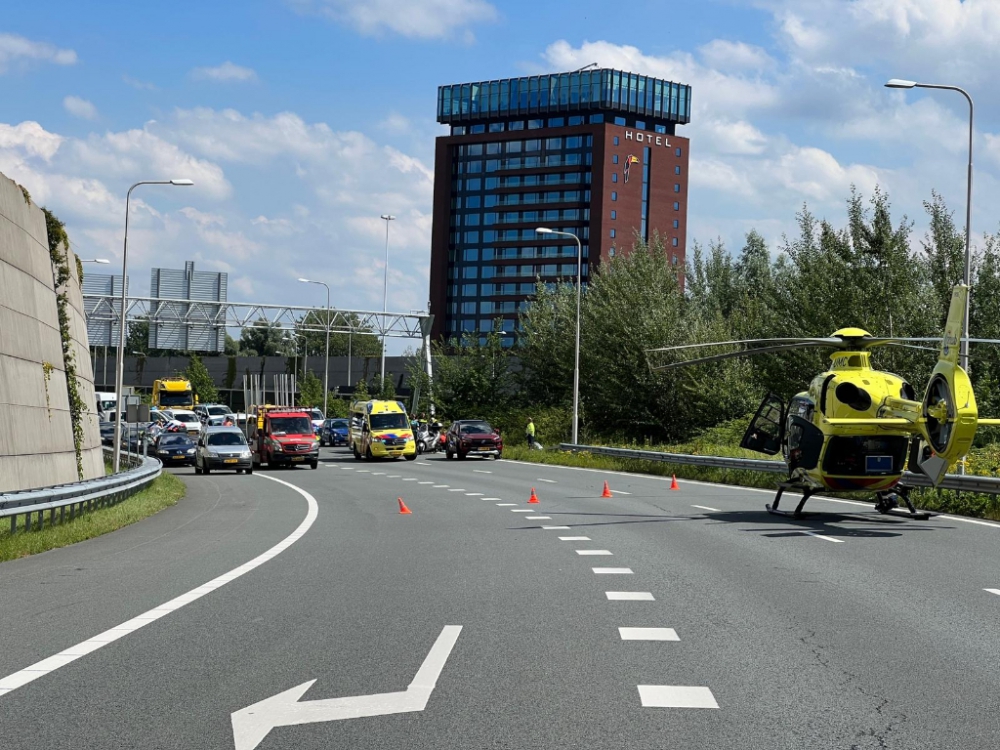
<point x="767" y="428"/>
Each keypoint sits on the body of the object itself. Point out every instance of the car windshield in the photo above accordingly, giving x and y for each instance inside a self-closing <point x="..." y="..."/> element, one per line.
<point x="225" y="438"/>
<point x="389" y="422"/>
<point x="471" y="428"/>
<point x="175" y="441"/>
<point x="217" y="410"/>
<point x="315" y="414"/>
<point x="185" y="417"/>
<point x="291" y="425"/>
<point x="176" y="399"/>
<point x="340" y="423"/>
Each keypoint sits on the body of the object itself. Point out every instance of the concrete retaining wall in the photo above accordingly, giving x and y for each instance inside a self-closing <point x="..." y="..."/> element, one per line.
<point x="36" y="434"/>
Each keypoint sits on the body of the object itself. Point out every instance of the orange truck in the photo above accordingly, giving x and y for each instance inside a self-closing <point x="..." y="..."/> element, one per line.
<point x="282" y="436"/>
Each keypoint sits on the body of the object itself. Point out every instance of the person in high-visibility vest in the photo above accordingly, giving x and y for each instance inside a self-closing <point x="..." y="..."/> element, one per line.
<point x="529" y="432"/>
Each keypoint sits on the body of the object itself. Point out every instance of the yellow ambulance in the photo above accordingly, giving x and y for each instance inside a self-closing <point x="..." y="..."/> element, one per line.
<point x="381" y="429"/>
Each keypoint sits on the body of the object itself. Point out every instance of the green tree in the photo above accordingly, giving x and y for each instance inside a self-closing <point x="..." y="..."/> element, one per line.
<point x="201" y="381"/>
<point x="361" y="391"/>
<point x="310" y="390"/>
<point x="361" y="343"/>
<point x="265" y="339"/>
<point x="473" y="379"/>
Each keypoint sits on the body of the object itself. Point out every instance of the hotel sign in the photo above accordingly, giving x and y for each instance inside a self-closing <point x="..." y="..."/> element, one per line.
<point x="653" y="139"/>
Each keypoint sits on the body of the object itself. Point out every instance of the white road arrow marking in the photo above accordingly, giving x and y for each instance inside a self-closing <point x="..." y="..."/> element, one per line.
<point x="253" y="723"/>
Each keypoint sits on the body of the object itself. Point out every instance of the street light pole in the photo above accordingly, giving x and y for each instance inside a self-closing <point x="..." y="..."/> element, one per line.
<point x="120" y="363"/>
<point x="897" y="83"/>
<point x="385" y="288"/>
<point x="326" y="366"/>
<point x="576" y="361"/>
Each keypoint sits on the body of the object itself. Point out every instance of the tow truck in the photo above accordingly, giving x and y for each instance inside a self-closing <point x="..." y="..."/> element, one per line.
<point x="174" y="393"/>
<point x="281" y="436"/>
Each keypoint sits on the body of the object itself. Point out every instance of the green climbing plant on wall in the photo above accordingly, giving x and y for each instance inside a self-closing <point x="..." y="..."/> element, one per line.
<point x="58" y="242"/>
<point x="47" y="368"/>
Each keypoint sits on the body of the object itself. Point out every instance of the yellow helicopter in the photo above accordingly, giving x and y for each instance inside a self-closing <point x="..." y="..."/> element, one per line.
<point x="856" y="428"/>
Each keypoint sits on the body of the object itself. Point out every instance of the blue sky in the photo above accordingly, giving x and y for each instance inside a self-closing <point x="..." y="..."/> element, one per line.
<point x="303" y="120"/>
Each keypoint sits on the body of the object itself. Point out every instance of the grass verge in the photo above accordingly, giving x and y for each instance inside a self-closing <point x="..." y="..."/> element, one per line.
<point x="165" y="491"/>
<point x="719" y="441"/>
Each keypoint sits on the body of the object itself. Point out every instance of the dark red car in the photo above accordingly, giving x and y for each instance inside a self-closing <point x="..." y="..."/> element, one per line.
<point x="475" y="437"/>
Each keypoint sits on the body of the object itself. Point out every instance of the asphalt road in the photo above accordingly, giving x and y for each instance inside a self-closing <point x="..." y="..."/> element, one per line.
<point x="848" y="631"/>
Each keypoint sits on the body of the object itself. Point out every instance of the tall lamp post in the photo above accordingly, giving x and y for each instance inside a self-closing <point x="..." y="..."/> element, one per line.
<point x="120" y="364"/>
<point x="326" y="366"/>
<point x="576" y="361"/>
<point x="385" y="287"/>
<point x="898" y="83"/>
<point x="101" y="261"/>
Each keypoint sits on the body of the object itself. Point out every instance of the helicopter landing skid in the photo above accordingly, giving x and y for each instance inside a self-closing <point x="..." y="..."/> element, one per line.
<point x="797" y="513"/>
<point x="886" y="503"/>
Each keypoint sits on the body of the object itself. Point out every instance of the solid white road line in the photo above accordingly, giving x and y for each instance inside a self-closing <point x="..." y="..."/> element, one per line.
<point x="71" y="654"/>
<point x="676" y="696"/>
<point x="554" y="528"/>
<point x="539" y="518"/>
<point x="993" y="591"/>
<point x="574" y="539"/>
<point x="482" y="471"/>
<point x="705" y="507"/>
<point x="629" y="596"/>
<point x="820" y="536"/>
<point x="593" y="552"/>
<point x="550" y="481"/>
<point x="613" y="571"/>
<point x="648" y="634"/>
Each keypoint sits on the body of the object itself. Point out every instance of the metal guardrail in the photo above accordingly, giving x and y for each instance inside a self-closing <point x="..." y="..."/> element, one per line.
<point x="79" y="497"/>
<point x="958" y="482"/>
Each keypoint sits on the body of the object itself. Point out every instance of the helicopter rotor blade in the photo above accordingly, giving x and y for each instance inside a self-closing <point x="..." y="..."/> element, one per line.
<point x="682" y="347"/>
<point x="742" y="353"/>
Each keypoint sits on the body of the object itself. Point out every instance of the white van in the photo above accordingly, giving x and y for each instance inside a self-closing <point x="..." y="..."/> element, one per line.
<point x="106" y="405"/>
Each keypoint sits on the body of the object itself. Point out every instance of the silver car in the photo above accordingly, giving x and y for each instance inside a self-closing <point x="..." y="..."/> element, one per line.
<point x="222" y="448"/>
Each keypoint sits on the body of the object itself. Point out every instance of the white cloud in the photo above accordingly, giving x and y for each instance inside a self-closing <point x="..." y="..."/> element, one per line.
<point x="225" y="73"/>
<point x="421" y="19"/>
<point x="80" y="108"/>
<point x="31" y="139"/>
<point x="137" y="84"/>
<point x="396" y="124"/>
<point x="735" y="56"/>
<point x="16" y="49"/>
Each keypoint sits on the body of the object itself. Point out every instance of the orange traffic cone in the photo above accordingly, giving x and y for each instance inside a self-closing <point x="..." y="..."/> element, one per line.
<point x="673" y="482"/>
<point x="403" y="509"/>
<point x="607" y="491"/>
<point x="534" y="497"/>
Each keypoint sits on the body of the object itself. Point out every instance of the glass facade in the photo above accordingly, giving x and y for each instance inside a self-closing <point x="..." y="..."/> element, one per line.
<point x="563" y="93"/>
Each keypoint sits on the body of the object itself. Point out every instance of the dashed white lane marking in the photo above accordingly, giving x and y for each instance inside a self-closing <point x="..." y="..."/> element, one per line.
<point x="993" y="591"/>
<point x="820" y="536"/>
<point x="460" y="489"/>
<point x="492" y="498"/>
<point x="593" y="552"/>
<point x="473" y="494"/>
<point x="378" y="473"/>
<point x="550" y="481"/>
<point x="482" y="471"/>
<point x="518" y="510"/>
<point x="71" y="654"/>
<point x="508" y="505"/>
<point x="554" y="528"/>
<point x="425" y="482"/>
<point x="409" y="479"/>
<point x="705" y="507"/>
<point x="346" y="468"/>
<point x="613" y="571"/>
<point x="648" y="634"/>
<point x="629" y="596"/>
<point x="439" y="486"/>
<point x="676" y="696"/>
<point x="622" y="492"/>
<point x="574" y="539"/>
<point x="393" y="476"/>
<point x="539" y="518"/>
<point x="364" y="471"/>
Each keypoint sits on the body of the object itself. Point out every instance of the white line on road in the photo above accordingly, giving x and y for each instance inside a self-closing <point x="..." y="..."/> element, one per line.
<point x="518" y="510"/>
<point x="346" y="468"/>
<point x="574" y="539"/>
<point x="554" y="528"/>
<point x="393" y="476"/>
<point x="550" y="481"/>
<point x="460" y="489"/>
<point x="482" y="471"/>
<point x="820" y="536"/>
<point x="676" y="696"/>
<point x="508" y="505"/>
<point x="364" y="471"/>
<point x="71" y="654"/>
<point x="492" y="498"/>
<point x="993" y="591"/>
<point x="593" y="552"/>
<point x="648" y="634"/>
<point x="425" y="482"/>
<point x="539" y="518"/>
<point x="438" y="486"/>
<point x="622" y="492"/>
<point x="473" y="494"/>
<point x="378" y="473"/>
<point x="705" y="507"/>
<point x="629" y="596"/>
<point x="613" y="571"/>
<point x="410" y="479"/>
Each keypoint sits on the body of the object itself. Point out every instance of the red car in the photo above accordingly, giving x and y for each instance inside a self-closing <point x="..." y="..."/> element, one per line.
<point x="473" y="436"/>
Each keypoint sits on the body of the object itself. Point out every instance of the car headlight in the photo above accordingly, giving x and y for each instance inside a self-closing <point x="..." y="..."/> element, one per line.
<point x="165" y="453"/>
<point x="315" y="444"/>
<point x="190" y="451"/>
<point x="213" y="454"/>
<point x="244" y="454"/>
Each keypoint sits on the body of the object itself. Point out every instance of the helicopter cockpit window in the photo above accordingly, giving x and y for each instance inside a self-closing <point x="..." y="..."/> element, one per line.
<point x="767" y="427"/>
<point x="805" y="442"/>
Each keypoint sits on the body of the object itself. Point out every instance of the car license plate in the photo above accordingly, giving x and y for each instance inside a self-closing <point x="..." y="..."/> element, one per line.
<point x="177" y="458"/>
<point x="230" y="460"/>
<point x="298" y="458"/>
<point x="482" y="449"/>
